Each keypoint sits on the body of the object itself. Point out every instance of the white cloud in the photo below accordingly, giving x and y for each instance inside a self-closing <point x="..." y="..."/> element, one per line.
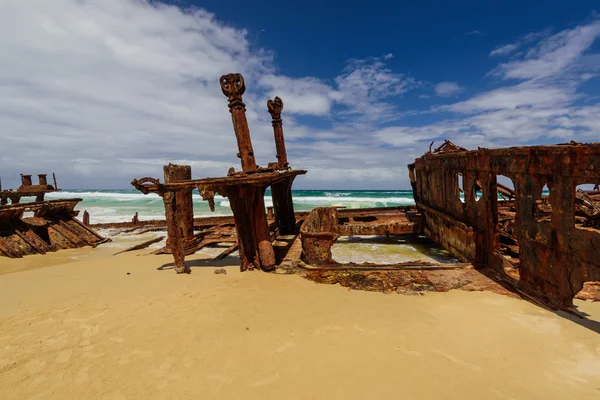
<point x="447" y="89"/>
<point x="504" y="50"/>
<point x="554" y="55"/>
<point x="544" y="106"/>
<point x="102" y="92"/>
<point x="302" y="96"/>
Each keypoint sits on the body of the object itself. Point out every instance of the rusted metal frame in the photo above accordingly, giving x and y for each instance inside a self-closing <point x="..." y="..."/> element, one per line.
<point x="410" y="265"/>
<point x="267" y="178"/>
<point x="579" y="172"/>
<point x="67" y="232"/>
<point x="184" y="217"/>
<point x="283" y="205"/>
<point x="6" y="246"/>
<point x="247" y="203"/>
<point x="275" y="107"/>
<point x="233" y="87"/>
<point x="58" y="240"/>
<point x="91" y="231"/>
<point x="33" y="240"/>
<point x="175" y="234"/>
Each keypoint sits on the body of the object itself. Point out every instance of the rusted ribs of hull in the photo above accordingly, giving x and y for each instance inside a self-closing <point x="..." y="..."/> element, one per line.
<point x="52" y="228"/>
<point x="245" y="191"/>
<point x="547" y="247"/>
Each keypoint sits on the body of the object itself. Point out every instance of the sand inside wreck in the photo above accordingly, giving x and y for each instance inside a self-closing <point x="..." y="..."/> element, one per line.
<point x="76" y="325"/>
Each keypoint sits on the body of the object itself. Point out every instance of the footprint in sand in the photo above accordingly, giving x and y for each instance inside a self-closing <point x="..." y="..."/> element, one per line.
<point x="285" y="346"/>
<point x="266" y="381"/>
<point x="409" y="352"/>
<point x="89" y="330"/>
<point x="64" y="356"/>
<point x="126" y="358"/>
<point x="472" y="367"/>
<point x="326" y="329"/>
<point x="220" y="378"/>
<point x="35" y="366"/>
<point x="82" y="376"/>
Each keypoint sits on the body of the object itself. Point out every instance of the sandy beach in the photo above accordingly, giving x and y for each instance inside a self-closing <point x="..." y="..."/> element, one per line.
<point x="83" y="324"/>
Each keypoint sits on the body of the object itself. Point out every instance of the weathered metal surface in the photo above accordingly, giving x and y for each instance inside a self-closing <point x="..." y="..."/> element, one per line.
<point x="245" y="191"/>
<point x="275" y="107"/>
<point x="233" y="87"/>
<point x="552" y="253"/>
<point x="28" y="189"/>
<point x="53" y="227"/>
<point x="183" y="218"/>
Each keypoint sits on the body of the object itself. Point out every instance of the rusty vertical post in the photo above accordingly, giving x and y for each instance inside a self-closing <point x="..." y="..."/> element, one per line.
<point x="54" y="178"/>
<point x="275" y="107"/>
<point x="39" y="197"/>
<point x="283" y="204"/>
<point x="281" y="192"/>
<point x="233" y="87"/>
<point x="26" y="180"/>
<point x="43" y="180"/>
<point x="174" y="233"/>
<point x="86" y="218"/>
<point x="185" y="209"/>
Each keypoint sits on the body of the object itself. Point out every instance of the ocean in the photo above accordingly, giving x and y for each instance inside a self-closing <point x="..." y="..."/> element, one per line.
<point x="121" y="205"/>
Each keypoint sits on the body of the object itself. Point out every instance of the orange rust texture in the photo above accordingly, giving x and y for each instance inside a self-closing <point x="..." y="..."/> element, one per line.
<point x="52" y="227"/>
<point x="408" y="281"/>
<point x="244" y="190"/>
<point x="556" y="256"/>
<point x="324" y="225"/>
<point x="318" y="232"/>
<point x="184" y="217"/>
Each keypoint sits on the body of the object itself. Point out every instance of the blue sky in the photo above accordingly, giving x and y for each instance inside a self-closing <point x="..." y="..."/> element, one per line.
<point x="102" y="92"/>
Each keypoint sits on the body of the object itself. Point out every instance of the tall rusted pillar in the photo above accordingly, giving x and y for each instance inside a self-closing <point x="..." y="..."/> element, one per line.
<point x="184" y="217"/>
<point x="175" y="233"/>
<point x="281" y="192"/>
<point x="86" y="218"/>
<point x="275" y="107"/>
<point x="233" y="87"/>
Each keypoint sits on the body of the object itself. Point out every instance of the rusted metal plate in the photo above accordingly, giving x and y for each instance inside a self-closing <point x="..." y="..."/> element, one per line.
<point x="538" y="243"/>
<point x="52" y="228"/>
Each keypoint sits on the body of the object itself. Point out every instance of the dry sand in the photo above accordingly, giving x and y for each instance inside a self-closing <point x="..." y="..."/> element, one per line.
<point x="88" y="330"/>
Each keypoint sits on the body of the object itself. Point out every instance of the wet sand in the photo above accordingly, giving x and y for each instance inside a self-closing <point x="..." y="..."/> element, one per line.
<point x="89" y="330"/>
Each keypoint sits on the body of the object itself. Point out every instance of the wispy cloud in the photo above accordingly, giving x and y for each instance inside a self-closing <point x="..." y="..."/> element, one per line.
<point x="447" y="89"/>
<point x="101" y="92"/>
<point x="543" y="106"/>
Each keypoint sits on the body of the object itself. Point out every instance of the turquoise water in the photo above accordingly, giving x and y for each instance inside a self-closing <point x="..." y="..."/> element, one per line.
<point x="121" y="205"/>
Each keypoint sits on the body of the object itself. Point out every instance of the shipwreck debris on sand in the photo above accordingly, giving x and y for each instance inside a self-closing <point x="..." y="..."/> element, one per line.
<point x="245" y="191"/>
<point x="545" y="249"/>
<point x="52" y="225"/>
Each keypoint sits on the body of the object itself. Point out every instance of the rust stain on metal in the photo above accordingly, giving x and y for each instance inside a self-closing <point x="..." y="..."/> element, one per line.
<point x="245" y="191"/>
<point x="544" y="246"/>
<point x="507" y="240"/>
<point x="52" y="227"/>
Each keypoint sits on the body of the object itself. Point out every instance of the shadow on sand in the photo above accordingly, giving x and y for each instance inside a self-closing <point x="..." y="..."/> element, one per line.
<point x="577" y="316"/>
<point x="204" y="263"/>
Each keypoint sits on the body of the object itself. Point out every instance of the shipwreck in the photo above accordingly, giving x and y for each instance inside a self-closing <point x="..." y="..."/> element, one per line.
<point x="50" y="226"/>
<point x="510" y="240"/>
